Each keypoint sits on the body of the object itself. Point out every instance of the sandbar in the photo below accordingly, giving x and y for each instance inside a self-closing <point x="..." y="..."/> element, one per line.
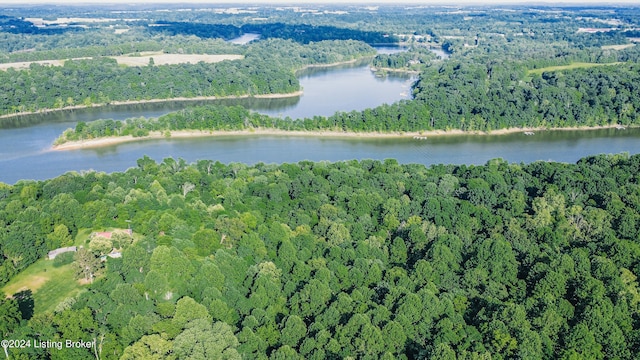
<point x="423" y="135"/>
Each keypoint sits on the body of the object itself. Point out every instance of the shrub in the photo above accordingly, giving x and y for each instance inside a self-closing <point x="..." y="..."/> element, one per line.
<point x="63" y="259"/>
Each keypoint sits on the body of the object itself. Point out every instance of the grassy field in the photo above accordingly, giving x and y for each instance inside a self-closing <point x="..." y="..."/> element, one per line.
<point x="617" y="47"/>
<point x="82" y="239"/>
<point x="576" y="65"/>
<point x="170" y="59"/>
<point x="49" y="285"/>
<point x="143" y="60"/>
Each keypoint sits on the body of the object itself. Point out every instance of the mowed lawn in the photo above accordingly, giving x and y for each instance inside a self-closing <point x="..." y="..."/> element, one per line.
<point x="576" y="65"/>
<point x="49" y="285"/>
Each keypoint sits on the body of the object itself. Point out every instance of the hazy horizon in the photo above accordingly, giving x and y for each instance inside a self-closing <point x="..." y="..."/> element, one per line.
<point x="337" y="2"/>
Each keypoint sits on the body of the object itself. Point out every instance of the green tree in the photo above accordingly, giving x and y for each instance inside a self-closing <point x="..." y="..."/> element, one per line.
<point x="10" y="316"/>
<point x="86" y="265"/>
<point x="101" y="245"/>
<point x="188" y="310"/>
<point x="201" y="340"/>
<point x="581" y="343"/>
<point x="293" y="331"/>
<point x="206" y="241"/>
<point x="60" y="237"/>
<point x="169" y="260"/>
<point x="151" y="347"/>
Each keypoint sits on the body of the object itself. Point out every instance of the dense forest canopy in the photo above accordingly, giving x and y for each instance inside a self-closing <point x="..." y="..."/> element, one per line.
<point x="314" y="260"/>
<point x="452" y="96"/>
<point x="365" y="259"/>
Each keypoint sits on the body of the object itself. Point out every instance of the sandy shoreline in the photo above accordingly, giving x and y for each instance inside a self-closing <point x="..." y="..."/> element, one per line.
<point x="150" y="101"/>
<point x="181" y="134"/>
<point x="197" y="98"/>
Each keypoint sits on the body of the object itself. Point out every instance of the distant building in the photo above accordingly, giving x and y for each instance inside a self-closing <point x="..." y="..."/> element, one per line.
<point x="53" y="253"/>
<point x="106" y="235"/>
<point x="114" y="254"/>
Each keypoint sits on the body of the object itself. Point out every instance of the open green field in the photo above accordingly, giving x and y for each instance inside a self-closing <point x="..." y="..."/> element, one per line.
<point x="617" y="47"/>
<point x="82" y="239"/>
<point x="50" y="285"/>
<point x="572" y="66"/>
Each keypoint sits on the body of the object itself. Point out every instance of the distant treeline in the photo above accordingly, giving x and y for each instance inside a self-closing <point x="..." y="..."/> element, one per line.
<point x="413" y="59"/>
<point x="15" y="25"/>
<point x="301" y="33"/>
<point x="452" y="96"/>
<point x="175" y="45"/>
<point x="268" y="68"/>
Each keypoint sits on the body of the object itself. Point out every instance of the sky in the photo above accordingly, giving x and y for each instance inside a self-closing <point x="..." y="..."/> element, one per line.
<point x="302" y="3"/>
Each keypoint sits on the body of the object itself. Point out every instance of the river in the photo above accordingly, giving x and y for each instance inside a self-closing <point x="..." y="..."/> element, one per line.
<point x="25" y="141"/>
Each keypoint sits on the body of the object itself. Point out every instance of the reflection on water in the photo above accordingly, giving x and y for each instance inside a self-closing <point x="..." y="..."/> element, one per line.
<point x="564" y="146"/>
<point x="121" y="112"/>
<point x="326" y="90"/>
<point x="25" y="139"/>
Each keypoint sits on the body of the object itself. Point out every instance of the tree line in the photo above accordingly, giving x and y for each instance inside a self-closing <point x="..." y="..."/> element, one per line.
<point x="415" y="58"/>
<point x="301" y="33"/>
<point x="368" y="259"/>
<point x="454" y="95"/>
<point x="268" y="67"/>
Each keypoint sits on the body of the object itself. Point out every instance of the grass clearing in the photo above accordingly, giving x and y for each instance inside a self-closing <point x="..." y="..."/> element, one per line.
<point x="82" y="238"/>
<point x="172" y="59"/>
<point x="49" y="285"/>
<point x="617" y="47"/>
<point x="143" y="60"/>
<point x="25" y="64"/>
<point x="572" y="66"/>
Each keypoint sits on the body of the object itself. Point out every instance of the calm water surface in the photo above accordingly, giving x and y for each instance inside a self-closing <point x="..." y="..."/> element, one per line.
<point x="564" y="146"/>
<point x="25" y="141"/>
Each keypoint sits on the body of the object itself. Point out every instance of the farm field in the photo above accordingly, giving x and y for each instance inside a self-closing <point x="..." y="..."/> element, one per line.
<point x="172" y="59"/>
<point x="158" y="59"/>
<point x="572" y="66"/>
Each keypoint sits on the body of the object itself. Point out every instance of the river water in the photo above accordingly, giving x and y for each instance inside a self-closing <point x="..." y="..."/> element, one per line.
<point x="25" y="141"/>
